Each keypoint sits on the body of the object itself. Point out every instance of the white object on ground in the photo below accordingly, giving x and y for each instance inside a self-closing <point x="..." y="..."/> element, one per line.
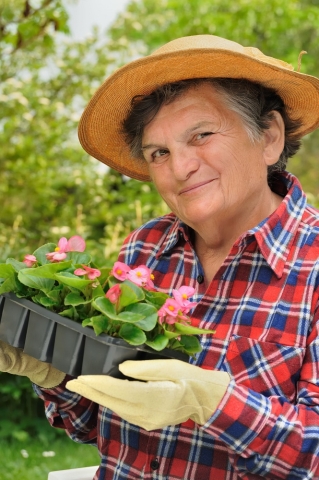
<point x="86" y="473"/>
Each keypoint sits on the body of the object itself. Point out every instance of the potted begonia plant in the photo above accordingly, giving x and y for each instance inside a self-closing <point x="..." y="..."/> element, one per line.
<point x="60" y="307"/>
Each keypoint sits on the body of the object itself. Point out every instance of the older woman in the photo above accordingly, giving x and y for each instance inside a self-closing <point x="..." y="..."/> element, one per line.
<point x="212" y="124"/>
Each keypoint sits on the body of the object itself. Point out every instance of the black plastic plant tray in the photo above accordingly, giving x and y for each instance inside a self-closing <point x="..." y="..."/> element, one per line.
<point x="65" y="344"/>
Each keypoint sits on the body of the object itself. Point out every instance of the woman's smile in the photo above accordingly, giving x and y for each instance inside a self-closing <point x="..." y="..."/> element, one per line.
<point x="194" y="187"/>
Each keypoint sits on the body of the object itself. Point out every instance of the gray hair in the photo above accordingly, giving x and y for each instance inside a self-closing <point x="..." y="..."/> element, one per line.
<point x="253" y="102"/>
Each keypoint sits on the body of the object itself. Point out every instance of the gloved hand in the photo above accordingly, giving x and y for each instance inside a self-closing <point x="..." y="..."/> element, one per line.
<point x="171" y="393"/>
<point x="14" y="360"/>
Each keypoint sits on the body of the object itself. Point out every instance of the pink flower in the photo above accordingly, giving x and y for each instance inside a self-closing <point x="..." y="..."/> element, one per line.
<point x="141" y="276"/>
<point x="56" y="256"/>
<point x="161" y="316"/>
<point x="74" y="244"/>
<point x="168" y="319"/>
<point x="113" y="294"/>
<point x="169" y="311"/>
<point x="120" y="270"/>
<point x="181" y="296"/>
<point x="91" y="273"/>
<point x="30" y="260"/>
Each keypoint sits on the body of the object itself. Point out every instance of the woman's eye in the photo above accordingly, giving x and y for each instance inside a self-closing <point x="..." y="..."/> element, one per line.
<point x="201" y="135"/>
<point x="159" y="155"/>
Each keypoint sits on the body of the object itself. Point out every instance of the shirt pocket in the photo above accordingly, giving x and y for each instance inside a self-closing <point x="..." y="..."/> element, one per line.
<point x="265" y="367"/>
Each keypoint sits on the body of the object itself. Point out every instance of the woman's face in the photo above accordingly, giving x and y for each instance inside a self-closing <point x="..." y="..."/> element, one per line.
<point x="202" y="161"/>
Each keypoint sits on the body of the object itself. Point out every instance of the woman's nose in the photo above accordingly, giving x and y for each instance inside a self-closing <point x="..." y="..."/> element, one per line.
<point x="184" y="162"/>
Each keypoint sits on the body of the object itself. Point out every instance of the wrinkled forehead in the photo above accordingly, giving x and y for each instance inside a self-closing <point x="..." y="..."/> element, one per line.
<point x="199" y="98"/>
<point x="195" y="109"/>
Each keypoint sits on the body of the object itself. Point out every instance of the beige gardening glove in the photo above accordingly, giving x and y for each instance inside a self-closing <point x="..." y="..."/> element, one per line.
<point x="171" y="392"/>
<point x="14" y="360"/>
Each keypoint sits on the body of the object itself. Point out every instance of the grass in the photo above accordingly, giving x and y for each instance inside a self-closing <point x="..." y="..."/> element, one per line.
<point x="25" y="460"/>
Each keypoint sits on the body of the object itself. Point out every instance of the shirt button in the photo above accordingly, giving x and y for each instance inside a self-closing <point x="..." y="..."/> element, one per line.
<point x="200" y="278"/>
<point x="154" y="464"/>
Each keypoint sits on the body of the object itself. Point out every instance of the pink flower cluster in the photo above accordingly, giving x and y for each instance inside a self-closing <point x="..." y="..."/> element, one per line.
<point x="141" y="276"/>
<point x="91" y="273"/>
<point x="175" y="309"/>
<point x="30" y="260"/>
<point x="75" y="244"/>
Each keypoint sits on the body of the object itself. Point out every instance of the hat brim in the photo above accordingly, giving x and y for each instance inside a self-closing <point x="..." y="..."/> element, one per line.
<point x="100" y="125"/>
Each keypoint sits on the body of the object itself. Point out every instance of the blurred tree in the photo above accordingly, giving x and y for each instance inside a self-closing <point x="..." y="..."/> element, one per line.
<point x="279" y="29"/>
<point x="49" y="185"/>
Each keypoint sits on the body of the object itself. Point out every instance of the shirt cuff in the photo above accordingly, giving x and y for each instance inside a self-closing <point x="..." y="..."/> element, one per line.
<point x="239" y="418"/>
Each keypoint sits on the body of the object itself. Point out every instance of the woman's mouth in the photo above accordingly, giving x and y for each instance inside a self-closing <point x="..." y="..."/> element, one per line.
<point x="195" y="186"/>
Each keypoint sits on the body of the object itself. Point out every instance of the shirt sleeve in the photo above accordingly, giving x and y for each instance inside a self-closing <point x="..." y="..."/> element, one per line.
<point x="71" y="412"/>
<point x="271" y="436"/>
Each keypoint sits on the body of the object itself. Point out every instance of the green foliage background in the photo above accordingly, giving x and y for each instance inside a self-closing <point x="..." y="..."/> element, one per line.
<point x="49" y="186"/>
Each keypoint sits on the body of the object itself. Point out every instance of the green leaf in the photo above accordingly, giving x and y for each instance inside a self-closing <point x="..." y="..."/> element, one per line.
<point x="158" y="343"/>
<point x="38" y="297"/>
<point x="75" y="299"/>
<point x="105" y="273"/>
<point x="47" y="271"/>
<point x="148" y="312"/>
<point x="156" y="298"/>
<point x="28" y="29"/>
<point x="128" y="317"/>
<point x="9" y="285"/>
<point x="24" y="293"/>
<point x="99" y="323"/>
<point x="6" y="270"/>
<point x="79" y="258"/>
<point x="71" y="280"/>
<point x="169" y="334"/>
<point x="39" y="283"/>
<point x="41" y="252"/>
<point x="189" y="330"/>
<point x="69" y="313"/>
<point x="55" y="293"/>
<point x="132" y="334"/>
<point x="131" y="293"/>
<point x="47" y="302"/>
<point x="16" y="264"/>
<point x="87" y="322"/>
<point x="97" y="291"/>
<point x="190" y="344"/>
<point x="103" y="305"/>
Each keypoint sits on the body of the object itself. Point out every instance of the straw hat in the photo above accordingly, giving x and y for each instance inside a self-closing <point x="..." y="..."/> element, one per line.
<point x="188" y="57"/>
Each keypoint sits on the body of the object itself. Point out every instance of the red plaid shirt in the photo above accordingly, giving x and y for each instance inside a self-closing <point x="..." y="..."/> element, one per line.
<point x="263" y="303"/>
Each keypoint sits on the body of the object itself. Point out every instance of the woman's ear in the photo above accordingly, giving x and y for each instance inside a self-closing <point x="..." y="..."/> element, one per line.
<point x="274" y="139"/>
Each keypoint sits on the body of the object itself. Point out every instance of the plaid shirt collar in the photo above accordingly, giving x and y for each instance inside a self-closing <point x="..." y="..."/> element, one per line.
<point x="274" y="234"/>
